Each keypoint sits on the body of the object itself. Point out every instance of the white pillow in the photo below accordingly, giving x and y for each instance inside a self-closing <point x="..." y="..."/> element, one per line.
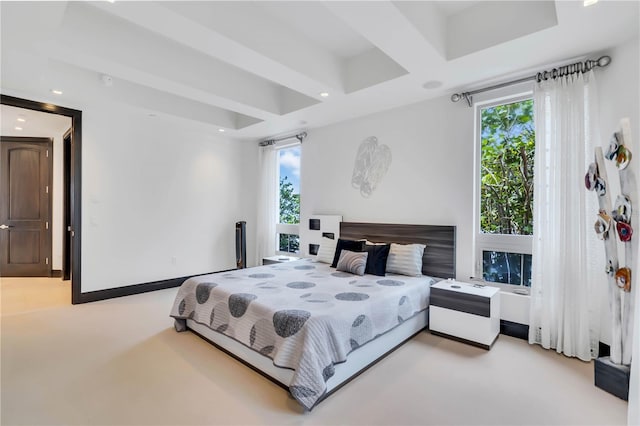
<point x="327" y="250"/>
<point x="405" y="259"/>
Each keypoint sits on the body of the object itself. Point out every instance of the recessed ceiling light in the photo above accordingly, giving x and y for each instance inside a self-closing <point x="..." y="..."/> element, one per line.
<point x="21" y="119"/>
<point x="324" y="94"/>
<point x="18" y="128"/>
<point x="432" y="84"/>
<point x="107" y="80"/>
<point x="56" y="91"/>
<point x="221" y="130"/>
<point x="588" y="3"/>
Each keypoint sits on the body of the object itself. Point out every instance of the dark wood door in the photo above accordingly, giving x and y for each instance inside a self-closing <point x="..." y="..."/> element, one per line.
<point x="25" y="179"/>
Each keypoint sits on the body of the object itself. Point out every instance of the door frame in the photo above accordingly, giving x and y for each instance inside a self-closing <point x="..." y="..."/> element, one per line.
<point x="48" y="142"/>
<point x="66" y="205"/>
<point x="75" y="189"/>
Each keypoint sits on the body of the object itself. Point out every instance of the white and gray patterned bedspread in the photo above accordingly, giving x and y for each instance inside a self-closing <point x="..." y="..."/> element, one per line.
<point x="303" y="315"/>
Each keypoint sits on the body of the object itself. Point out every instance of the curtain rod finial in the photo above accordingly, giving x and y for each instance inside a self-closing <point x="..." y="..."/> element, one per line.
<point x="301" y="136"/>
<point x="466" y="95"/>
<point x="603" y="61"/>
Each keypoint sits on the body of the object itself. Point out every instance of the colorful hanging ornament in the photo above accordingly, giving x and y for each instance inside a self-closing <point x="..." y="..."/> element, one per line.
<point x="610" y="269"/>
<point x="614" y="144"/>
<point x="623" y="158"/>
<point x="600" y="187"/>
<point x="591" y="177"/>
<point x="623" y="279"/>
<point x="622" y="209"/>
<point x="602" y="225"/>
<point x="624" y="231"/>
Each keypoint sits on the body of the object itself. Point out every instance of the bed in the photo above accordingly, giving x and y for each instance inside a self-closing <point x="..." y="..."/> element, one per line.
<point x="308" y="327"/>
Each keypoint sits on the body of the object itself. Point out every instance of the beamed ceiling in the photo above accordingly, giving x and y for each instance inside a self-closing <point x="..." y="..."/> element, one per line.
<point x="257" y="69"/>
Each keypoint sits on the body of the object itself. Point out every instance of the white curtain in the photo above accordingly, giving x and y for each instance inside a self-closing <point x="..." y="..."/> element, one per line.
<point x="267" y="209"/>
<point x="568" y="280"/>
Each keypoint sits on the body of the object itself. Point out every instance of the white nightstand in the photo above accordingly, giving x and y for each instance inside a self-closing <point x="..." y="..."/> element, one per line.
<point x="278" y="259"/>
<point x="466" y="312"/>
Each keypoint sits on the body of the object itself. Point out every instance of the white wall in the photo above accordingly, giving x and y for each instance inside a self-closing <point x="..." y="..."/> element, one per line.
<point x="160" y="195"/>
<point x="159" y="198"/>
<point x="430" y="180"/>
<point x="619" y="90"/>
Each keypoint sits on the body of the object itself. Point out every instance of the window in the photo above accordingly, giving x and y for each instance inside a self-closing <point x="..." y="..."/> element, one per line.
<point x="505" y="191"/>
<point x="506" y="268"/>
<point x="288" y="239"/>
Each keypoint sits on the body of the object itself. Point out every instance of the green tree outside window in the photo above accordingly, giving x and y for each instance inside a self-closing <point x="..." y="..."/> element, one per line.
<point x="289" y="213"/>
<point x="289" y="203"/>
<point x="506" y="190"/>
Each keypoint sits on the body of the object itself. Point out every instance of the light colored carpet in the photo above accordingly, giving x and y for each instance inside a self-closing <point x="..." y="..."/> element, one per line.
<point x="119" y="362"/>
<point x="20" y="295"/>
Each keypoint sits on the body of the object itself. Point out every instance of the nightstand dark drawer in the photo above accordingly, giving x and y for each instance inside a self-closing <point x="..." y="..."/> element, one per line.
<point x="461" y="302"/>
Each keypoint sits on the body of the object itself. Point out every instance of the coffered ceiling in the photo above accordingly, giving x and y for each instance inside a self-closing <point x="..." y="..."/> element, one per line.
<point x="257" y="69"/>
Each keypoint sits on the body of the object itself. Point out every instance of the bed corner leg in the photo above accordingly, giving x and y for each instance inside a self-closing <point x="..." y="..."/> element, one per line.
<point x="180" y="324"/>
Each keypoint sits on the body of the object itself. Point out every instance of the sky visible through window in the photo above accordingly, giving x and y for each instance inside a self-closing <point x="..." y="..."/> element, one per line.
<point x="289" y="159"/>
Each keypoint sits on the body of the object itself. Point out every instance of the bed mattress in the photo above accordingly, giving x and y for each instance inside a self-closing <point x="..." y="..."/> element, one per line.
<point x="303" y="315"/>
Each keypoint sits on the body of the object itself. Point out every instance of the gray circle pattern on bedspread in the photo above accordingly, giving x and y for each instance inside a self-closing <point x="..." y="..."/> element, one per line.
<point x="361" y="331"/>
<point x="238" y="303"/>
<point x="289" y="321"/>
<point x="261" y="276"/>
<point x="405" y="310"/>
<point x="390" y="283"/>
<point x="203" y="291"/>
<point x="304" y="267"/>
<point x="352" y="297"/>
<point x="300" y="284"/>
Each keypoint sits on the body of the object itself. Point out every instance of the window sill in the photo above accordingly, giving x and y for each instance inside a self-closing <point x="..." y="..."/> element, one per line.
<point x="506" y="288"/>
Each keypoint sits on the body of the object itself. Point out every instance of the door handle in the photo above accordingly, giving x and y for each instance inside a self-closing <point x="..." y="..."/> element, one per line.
<point x="3" y="226"/>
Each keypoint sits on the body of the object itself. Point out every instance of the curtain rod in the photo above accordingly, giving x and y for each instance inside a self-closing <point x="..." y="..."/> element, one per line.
<point x="299" y="136"/>
<point x="554" y="73"/>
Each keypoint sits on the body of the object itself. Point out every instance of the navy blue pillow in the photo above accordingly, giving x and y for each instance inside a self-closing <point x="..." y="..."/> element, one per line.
<point x="350" y="245"/>
<point x="377" y="259"/>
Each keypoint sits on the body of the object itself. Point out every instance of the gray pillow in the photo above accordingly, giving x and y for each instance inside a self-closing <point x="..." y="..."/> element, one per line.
<point x="353" y="262"/>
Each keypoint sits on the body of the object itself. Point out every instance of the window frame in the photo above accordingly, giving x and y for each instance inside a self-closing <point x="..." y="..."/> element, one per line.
<point x="284" y="228"/>
<point x="519" y="244"/>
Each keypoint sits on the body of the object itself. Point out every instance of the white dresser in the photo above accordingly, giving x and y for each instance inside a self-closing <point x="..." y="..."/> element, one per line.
<point x="466" y="312"/>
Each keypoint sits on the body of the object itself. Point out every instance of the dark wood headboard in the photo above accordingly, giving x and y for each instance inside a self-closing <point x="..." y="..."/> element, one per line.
<point x="439" y="258"/>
